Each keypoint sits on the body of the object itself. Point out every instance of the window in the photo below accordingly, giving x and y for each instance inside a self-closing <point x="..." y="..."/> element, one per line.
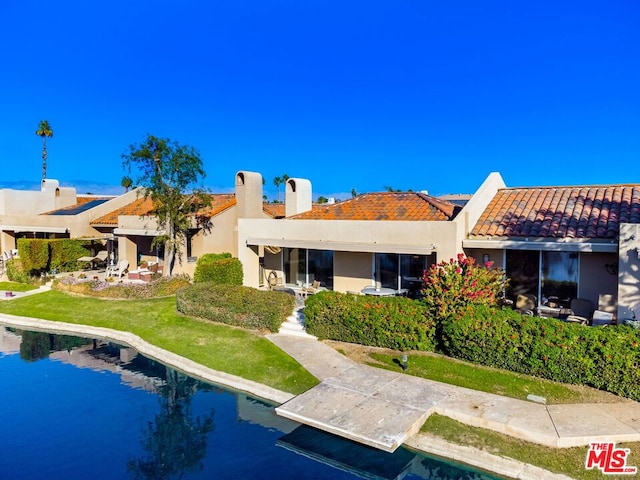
<point x="543" y="274"/>
<point x="305" y="266"/>
<point x="559" y="277"/>
<point x="400" y="271"/>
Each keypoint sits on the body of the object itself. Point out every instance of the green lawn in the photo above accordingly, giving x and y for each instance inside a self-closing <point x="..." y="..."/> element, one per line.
<point x="16" y="287"/>
<point x="231" y="350"/>
<point x="491" y="380"/>
<point x="568" y="461"/>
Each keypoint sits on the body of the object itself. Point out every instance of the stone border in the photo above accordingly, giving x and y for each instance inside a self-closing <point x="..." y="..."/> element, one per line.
<point x="176" y="361"/>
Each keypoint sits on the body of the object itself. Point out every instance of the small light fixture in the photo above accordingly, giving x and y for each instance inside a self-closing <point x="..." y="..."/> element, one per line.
<point x="404" y="362"/>
<point x="486" y="258"/>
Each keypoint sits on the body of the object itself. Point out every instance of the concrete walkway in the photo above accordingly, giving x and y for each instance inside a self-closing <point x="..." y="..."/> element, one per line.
<point x="384" y="409"/>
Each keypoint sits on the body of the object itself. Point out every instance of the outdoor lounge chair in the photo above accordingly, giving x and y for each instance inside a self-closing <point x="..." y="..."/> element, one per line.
<point x="582" y="309"/>
<point x="119" y="269"/>
<point x="99" y="260"/>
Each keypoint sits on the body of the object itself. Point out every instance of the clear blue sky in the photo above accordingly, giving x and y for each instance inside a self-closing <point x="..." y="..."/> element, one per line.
<point x="412" y="94"/>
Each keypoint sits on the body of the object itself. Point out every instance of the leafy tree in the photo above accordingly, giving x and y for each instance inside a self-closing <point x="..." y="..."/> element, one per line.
<point x="168" y="174"/>
<point x="322" y="199"/>
<point x="354" y="193"/>
<point x="44" y="130"/>
<point x="126" y="182"/>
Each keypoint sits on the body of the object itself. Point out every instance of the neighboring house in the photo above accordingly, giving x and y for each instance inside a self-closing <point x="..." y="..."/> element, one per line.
<point x="52" y="212"/>
<point x="123" y="225"/>
<point x="377" y="239"/>
<point x="564" y="242"/>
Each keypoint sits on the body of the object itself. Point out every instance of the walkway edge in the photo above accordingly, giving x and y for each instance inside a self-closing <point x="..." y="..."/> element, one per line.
<point x="480" y="459"/>
<point x="176" y="361"/>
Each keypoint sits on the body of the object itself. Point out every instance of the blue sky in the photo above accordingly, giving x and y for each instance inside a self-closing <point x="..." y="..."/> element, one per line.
<point x="411" y="94"/>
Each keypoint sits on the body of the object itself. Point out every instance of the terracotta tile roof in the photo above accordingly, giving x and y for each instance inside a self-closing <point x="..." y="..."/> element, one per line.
<point x="274" y="210"/>
<point x="219" y="203"/>
<point x="560" y="212"/>
<point x="144" y="206"/>
<point x="405" y="206"/>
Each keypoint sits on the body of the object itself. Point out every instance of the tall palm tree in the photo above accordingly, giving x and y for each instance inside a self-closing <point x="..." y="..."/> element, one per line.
<point x="44" y="130"/>
<point x="277" y="181"/>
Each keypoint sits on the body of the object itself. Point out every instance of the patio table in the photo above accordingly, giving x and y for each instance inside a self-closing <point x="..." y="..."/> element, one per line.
<point x="380" y="292"/>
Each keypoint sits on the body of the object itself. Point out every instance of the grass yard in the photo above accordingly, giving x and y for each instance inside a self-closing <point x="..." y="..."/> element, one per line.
<point x="568" y="461"/>
<point x="16" y="287"/>
<point x="231" y="350"/>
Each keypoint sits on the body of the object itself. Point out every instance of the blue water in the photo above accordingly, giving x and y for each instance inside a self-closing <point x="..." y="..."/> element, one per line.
<point x="76" y="409"/>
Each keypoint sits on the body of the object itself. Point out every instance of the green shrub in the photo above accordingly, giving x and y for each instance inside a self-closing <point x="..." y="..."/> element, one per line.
<point x="452" y="285"/>
<point x="394" y="322"/>
<point x="244" y="307"/>
<point x="219" y="268"/>
<point x="39" y="255"/>
<point x="604" y="358"/>
<point x="15" y="272"/>
<point x="65" y="252"/>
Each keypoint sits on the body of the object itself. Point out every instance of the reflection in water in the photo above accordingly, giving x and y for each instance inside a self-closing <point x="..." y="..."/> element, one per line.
<point x="175" y="442"/>
<point x="149" y="421"/>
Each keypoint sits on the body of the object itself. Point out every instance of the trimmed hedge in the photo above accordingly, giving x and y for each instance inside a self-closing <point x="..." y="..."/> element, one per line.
<point x="218" y="268"/>
<point x="236" y="305"/>
<point x="38" y="255"/>
<point x="393" y="322"/>
<point x="604" y="358"/>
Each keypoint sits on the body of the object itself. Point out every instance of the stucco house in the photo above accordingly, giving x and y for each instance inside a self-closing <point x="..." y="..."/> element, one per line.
<point x="378" y="239"/>
<point x="565" y="242"/>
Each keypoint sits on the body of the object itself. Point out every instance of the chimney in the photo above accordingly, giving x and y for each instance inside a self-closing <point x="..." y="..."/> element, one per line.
<point x="249" y="195"/>
<point x="297" y="197"/>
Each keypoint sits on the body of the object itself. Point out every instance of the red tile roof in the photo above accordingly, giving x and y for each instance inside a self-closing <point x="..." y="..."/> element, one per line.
<point x="219" y="203"/>
<point x="406" y="206"/>
<point x="560" y="212"/>
<point x="274" y="210"/>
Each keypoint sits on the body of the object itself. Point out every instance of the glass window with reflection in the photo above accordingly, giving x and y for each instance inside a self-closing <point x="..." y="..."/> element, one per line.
<point x="523" y="272"/>
<point x="559" y="277"/>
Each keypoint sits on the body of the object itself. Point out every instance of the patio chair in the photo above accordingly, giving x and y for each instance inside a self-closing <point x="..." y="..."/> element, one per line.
<point x="315" y="286"/>
<point x="582" y="309"/>
<point x="118" y="270"/>
<point x="526" y="304"/>
<point x="100" y="259"/>
<point x="605" y="314"/>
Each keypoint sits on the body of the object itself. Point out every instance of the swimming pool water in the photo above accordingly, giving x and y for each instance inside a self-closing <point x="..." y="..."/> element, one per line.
<point x="78" y="408"/>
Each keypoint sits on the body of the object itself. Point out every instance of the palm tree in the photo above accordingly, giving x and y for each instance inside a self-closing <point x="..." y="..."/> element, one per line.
<point x="44" y="130"/>
<point x="126" y="183"/>
<point x="277" y="181"/>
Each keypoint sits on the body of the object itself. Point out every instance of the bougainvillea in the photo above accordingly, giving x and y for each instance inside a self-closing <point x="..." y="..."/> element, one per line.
<point x="451" y="286"/>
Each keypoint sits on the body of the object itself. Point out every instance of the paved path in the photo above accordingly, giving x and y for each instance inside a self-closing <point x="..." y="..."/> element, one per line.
<point x="383" y="409"/>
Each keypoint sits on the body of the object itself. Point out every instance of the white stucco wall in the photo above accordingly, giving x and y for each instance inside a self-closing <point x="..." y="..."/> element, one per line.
<point x="629" y="271"/>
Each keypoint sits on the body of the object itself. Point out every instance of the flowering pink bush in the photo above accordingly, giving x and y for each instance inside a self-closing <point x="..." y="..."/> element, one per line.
<point x="450" y="286"/>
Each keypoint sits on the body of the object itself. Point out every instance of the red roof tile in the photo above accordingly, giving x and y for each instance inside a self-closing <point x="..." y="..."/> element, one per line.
<point x="385" y="206"/>
<point x="219" y="203"/>
<point x="560" y="212"/>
